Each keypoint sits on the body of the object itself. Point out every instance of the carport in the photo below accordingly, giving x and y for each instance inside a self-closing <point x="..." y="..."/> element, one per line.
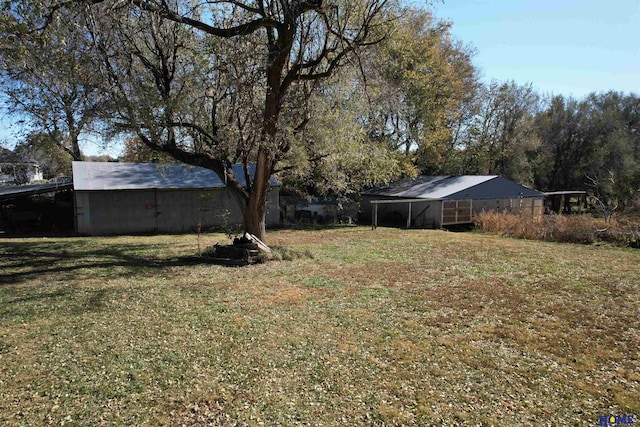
<point x="441" y="201"/>
<point x="26" y="208"/>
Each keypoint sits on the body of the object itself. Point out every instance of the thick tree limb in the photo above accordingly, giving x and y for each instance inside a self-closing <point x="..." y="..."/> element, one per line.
<point x="238" y="30"/>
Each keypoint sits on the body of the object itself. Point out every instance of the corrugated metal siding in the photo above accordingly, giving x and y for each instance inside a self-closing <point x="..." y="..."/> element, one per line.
<point x="161" y="211"/>
<point x="124" y="212"/>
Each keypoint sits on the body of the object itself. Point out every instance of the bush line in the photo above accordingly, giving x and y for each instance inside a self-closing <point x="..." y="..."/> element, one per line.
<point x="583" y="229"/>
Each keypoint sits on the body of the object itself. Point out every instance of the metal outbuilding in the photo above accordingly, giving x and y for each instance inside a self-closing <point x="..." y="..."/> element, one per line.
<point x="439" y="201"/>
<point x="126" y="198"/>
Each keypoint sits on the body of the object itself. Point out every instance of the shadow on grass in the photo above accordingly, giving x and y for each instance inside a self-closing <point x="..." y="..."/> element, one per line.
<point x="62" y="259"/>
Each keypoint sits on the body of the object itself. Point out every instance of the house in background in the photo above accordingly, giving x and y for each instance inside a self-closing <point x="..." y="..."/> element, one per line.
<point x="20" y="173"/>
<point x="440" y="201"/>
<point x="129" y="198"/>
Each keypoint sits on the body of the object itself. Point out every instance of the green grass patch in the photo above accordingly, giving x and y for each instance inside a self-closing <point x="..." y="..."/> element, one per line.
<point x="320" y="282"/>
<point x="385" y="327"/>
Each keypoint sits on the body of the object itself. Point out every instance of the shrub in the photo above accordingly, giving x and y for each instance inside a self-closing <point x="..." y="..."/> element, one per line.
<point x="560" y="228"/>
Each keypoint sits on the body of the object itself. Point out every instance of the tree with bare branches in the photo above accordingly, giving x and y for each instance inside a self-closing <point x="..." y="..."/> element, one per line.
<point x="222" y="82"/>
<point x="210" y="83"/>
<point x="47" y="75"/>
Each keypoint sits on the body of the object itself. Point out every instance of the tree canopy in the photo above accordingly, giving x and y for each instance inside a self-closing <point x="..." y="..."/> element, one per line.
<point x="209" y="83"/>
<point x="332" y="96"/>
<point x="48" y="74"/>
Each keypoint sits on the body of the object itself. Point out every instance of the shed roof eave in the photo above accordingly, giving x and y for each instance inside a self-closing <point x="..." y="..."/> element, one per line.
<point x="562" y="193"/>
<point x="273" y="187"/>
<point x="494" y="197"/>
<point x="390" y="202"/>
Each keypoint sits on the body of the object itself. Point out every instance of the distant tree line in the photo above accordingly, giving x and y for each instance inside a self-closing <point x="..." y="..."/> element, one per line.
<point x="555" y="143"/>
<point x="330" y="96"/>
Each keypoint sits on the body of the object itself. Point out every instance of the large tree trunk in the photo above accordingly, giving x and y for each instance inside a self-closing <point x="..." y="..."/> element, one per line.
<point x="254" y="213"/>
<point x="254" y="222"/>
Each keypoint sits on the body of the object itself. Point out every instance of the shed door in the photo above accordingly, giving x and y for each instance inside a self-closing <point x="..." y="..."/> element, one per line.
<point x="456" y="212"/>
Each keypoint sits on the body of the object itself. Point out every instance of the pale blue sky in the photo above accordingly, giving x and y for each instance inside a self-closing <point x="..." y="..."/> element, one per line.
<point x="567" y="47"/>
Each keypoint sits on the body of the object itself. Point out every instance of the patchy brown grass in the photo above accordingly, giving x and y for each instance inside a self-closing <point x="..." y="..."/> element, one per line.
<point x="583" y="229"/>
<point x="385" y="327"/>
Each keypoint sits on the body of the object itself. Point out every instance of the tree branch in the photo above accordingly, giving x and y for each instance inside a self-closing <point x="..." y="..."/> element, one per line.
<point x="238" y="30"/>
<point x="238" y="4"/>
<point x="223" y="169"/>
<point x="202" y="131"/>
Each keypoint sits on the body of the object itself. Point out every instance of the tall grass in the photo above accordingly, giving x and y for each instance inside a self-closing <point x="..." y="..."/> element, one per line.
<point x="583" y="229"/>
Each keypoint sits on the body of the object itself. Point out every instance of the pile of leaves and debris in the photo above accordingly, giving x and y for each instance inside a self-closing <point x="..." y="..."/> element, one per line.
<point x="245" y="250"/>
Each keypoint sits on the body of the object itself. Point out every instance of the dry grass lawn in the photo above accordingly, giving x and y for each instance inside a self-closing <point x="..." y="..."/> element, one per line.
<point x="386" y="327"/>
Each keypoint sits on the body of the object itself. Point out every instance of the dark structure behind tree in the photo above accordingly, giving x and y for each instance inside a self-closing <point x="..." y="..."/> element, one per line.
<point x="38" y="208"/>
<point x="565" y="202"/>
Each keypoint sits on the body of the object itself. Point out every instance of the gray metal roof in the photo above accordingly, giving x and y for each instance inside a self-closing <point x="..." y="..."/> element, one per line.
<point x="147" y="176"/>
<point x="454" y="187"/>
